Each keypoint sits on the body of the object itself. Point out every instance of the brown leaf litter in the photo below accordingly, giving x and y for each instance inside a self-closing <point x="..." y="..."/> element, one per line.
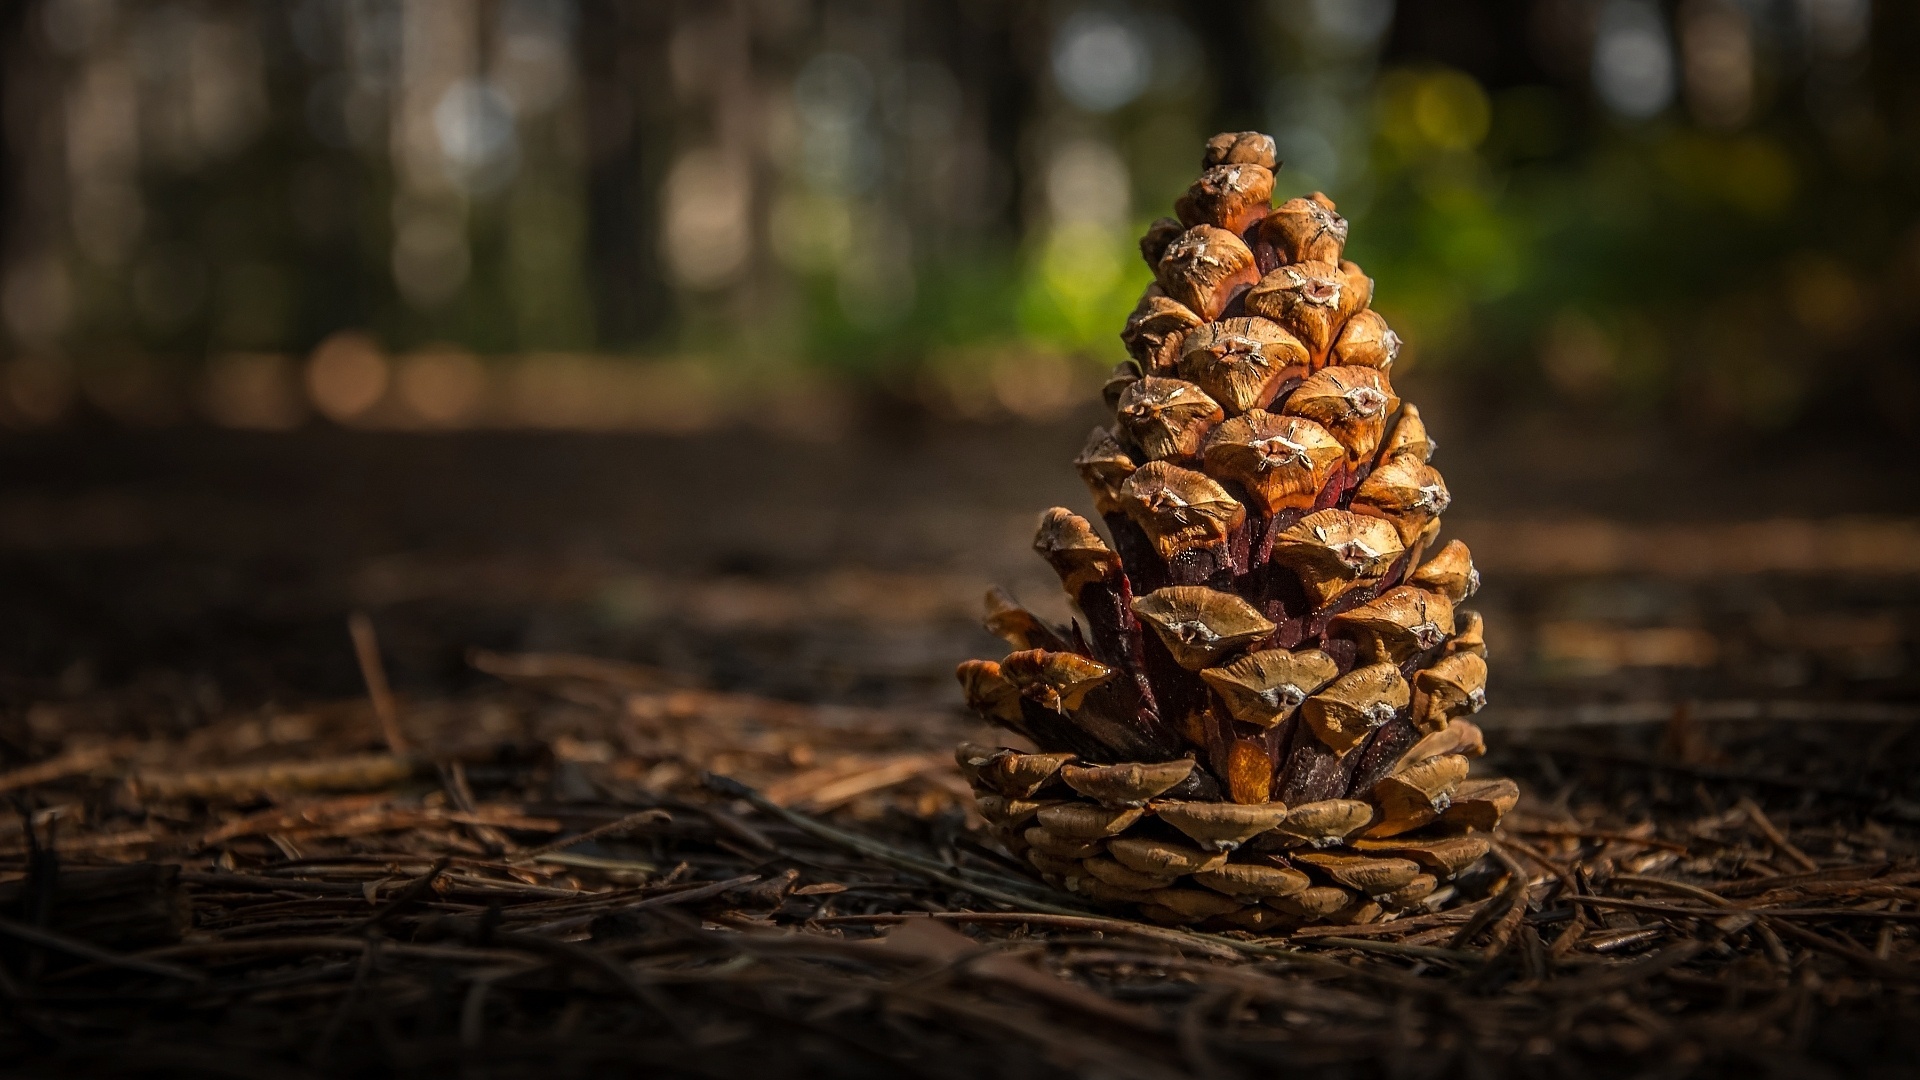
<point x="590" y="870"/>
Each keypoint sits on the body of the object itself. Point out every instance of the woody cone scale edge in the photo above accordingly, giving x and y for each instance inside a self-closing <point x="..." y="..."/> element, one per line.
<point x="1259" y="720"/>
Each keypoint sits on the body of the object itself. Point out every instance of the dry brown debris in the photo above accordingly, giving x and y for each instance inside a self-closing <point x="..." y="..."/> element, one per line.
<point x="548" y="881"/>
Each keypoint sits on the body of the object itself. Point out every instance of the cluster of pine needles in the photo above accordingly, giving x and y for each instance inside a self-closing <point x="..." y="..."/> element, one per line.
<point x="588" y="870"/>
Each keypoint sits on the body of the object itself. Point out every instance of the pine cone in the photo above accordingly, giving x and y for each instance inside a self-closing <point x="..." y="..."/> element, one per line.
<point x="1261" y="722"/>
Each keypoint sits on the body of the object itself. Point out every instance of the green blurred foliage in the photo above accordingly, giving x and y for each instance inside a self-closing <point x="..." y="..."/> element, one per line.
<point x="1528" y="243"/>
<point x="969" y="232"/>
<point x="1640" y="266"/>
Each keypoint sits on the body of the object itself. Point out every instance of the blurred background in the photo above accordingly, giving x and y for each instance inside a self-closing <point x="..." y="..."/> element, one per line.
<point x="581" y="213"/>
<point x="747" y="337"/>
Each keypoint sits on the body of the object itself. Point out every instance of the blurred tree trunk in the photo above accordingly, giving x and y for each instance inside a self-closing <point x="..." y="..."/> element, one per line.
<point x="624" y="68"/>
<point x="12" y="89"/>
<point x="34" y="302"/>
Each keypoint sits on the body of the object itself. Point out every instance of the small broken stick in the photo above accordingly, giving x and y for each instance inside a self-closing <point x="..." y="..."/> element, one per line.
<point x="366" y="649"/>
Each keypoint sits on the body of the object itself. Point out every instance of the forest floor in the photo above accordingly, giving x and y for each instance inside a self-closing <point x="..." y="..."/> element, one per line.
<point x="232" y="856"/>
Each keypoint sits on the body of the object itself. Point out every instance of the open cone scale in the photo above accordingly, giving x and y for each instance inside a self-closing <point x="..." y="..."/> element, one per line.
<point x="1262" y="721"/>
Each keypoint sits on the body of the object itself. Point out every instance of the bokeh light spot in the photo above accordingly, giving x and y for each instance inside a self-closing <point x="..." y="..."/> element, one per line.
<point x="1633" y="59"/>
<point x="1451" y="110"/>
<point x="258" y="391"/>
<point x="1100" y="61"/>
<point x="442" y="386"/>
<point x="346" y="376"/>
<point x="707" y="236"/>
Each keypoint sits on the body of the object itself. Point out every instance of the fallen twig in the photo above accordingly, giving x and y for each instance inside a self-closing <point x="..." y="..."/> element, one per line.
<point x="357" y="772"/>
<point x="366" y="649"/>
<point x="1775" y="837"/>
<point x="611" y="828"/>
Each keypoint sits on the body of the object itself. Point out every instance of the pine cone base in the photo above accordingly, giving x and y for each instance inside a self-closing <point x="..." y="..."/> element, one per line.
<point x="1226" y="865"/>
<point x="1262" y="721"/>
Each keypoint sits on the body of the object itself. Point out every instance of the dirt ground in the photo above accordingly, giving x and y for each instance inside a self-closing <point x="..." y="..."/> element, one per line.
<point x="216" y="567"/>
<point x="1703" y="673"/>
